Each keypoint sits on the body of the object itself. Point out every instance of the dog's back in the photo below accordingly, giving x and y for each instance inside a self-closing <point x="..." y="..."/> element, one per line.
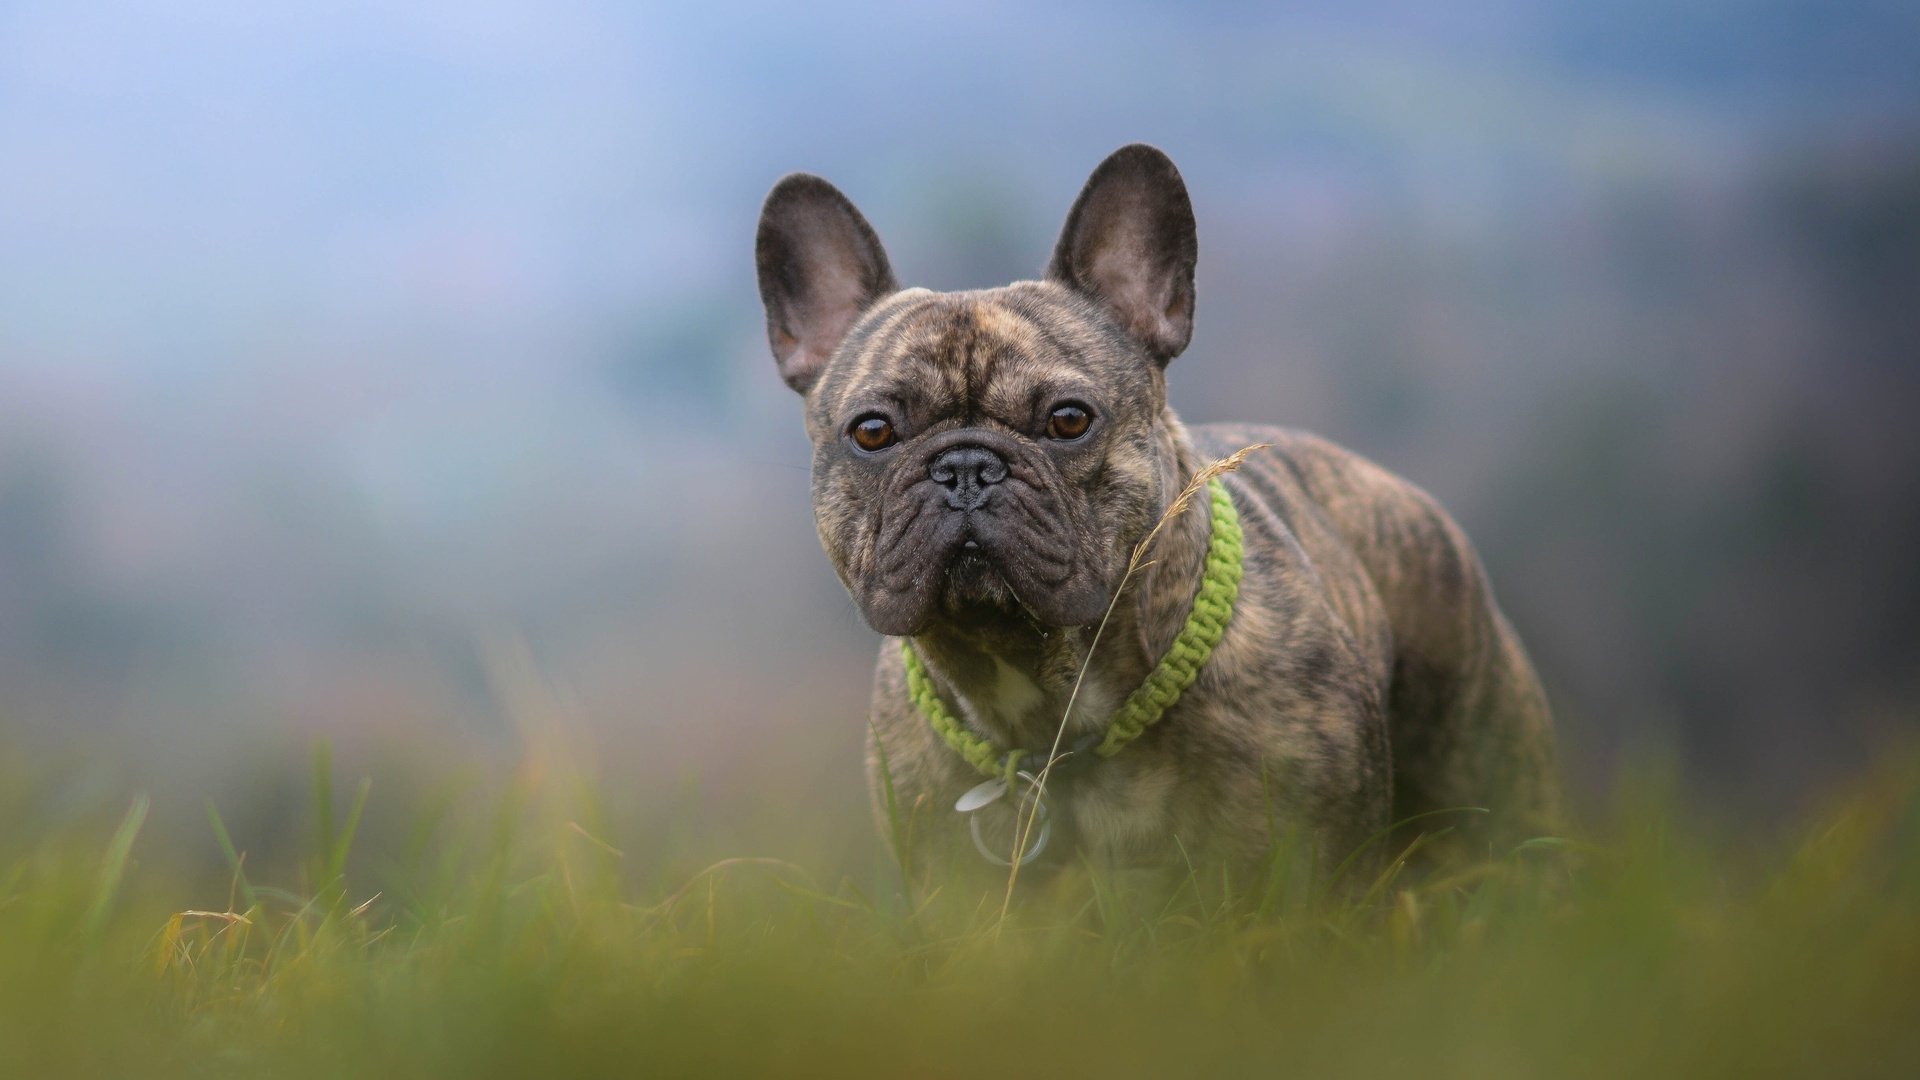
<point x="1467" y="719"/>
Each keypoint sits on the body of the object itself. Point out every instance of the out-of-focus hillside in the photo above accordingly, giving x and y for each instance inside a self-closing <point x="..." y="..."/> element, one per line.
<point x="339" y="347"/>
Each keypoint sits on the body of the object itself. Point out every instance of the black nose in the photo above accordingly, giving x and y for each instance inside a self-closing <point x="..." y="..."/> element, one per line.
<point x="968" y="473"/>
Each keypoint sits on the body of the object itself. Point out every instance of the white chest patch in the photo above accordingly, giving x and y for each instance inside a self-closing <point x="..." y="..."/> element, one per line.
<point x="1012" y="700"/>
<point x="1013" y="693"/>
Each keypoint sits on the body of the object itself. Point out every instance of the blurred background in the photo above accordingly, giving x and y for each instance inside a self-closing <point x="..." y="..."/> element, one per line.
<point x="397" y="377"/>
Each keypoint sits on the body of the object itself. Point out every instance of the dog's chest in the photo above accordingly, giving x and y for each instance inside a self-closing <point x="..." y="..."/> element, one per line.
<point x="1121" y="810"/>
<point x="1117" y="810"/>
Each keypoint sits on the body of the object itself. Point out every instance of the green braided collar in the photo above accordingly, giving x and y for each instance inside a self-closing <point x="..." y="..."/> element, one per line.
<point x="1212" y="607"/>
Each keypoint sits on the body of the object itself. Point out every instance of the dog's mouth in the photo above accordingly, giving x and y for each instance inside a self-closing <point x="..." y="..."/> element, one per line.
<point x="980" y="573"/>
<point x="975" y="587"/>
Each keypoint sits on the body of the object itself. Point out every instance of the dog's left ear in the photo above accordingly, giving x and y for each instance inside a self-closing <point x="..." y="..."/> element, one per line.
<point x="1129" y="243"/>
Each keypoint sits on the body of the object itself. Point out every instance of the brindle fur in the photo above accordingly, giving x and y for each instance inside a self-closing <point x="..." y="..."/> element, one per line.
<point x="1366" y="676"/>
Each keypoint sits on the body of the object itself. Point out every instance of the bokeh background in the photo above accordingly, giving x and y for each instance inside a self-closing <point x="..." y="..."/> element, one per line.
<point x="393" y="374"/>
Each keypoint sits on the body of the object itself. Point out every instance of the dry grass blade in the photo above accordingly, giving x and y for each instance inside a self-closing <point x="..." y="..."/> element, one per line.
<point x="1135" y="562"/>
<point x="579" y="830"/>
<point x="223" y="916"/>
<point x="1179" y="506"/>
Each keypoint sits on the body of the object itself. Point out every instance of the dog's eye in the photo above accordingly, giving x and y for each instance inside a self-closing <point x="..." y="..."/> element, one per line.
<point x="872" y="432"/>
<point x="1068" y="422"/>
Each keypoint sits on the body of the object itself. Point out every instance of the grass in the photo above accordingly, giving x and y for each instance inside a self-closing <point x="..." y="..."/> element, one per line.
<point x="515" y="931"/>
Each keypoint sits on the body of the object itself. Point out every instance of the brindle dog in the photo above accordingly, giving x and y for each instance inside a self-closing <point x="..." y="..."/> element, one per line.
<point x="984" y="464"/>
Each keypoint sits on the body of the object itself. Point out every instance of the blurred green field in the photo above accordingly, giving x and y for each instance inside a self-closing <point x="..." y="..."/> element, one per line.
<point x="508" y="927"/>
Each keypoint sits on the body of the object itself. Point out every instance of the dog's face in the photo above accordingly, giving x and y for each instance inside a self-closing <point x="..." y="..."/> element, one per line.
<point x="984" y="456"/>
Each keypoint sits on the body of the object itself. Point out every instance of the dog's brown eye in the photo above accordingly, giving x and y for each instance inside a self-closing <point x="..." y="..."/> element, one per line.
<point x="1068" y="422"/>
<point x="872" y="433"/>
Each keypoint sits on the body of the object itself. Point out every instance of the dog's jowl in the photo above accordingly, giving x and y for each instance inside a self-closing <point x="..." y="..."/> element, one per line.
<point x="1308" y="646"/>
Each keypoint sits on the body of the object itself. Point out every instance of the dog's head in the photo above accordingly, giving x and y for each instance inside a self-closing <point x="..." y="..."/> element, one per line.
<point x="990" y="455"/>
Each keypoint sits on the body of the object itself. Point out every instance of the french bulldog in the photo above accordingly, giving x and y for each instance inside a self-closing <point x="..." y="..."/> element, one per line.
<point x="985" y="464"/>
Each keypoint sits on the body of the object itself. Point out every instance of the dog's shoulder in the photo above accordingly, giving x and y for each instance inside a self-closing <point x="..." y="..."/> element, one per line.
<point x="1347" y="511"/>
<point x="1376" y="512"/>
<point x="1301" y="465"/>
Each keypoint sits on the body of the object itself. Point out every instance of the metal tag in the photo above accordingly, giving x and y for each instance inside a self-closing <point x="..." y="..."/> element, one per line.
<point x="980" y="795"/>
<point x="1041" y="830"/>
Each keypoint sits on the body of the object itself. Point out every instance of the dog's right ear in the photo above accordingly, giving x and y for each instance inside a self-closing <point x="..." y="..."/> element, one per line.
<point x="820" y="266"/>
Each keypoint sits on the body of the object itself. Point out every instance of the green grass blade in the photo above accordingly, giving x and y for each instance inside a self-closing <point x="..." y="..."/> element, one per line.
<point x="899" y="834"/>
<point x="322" y="793"/>
<point x="337" y="855"/>
<point x="113" y="868"/>
<point x="234" y="862"/>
